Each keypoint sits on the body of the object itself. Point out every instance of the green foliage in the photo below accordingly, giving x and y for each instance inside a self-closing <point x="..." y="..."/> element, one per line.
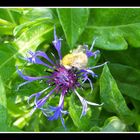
<point x="34" y="36"/>
<point x="112" y="97"/>
<point x="113" y="124"/>
<point x="3" y="108"/>
<point x="8" y="20"/>
<point x="73" y="22"/>
<point x="114" y="29"/>
<point x="89" y="120"/>
<point x="117" y="33"/>
<point x="122" y="64"/>
<point x="7" y="61"/>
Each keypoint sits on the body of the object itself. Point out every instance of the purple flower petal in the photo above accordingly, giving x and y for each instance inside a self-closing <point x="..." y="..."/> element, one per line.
<point x="57" y="111"/>
<point x="91" y="85"/>
<point x="94" y="67"/>
<point x="35" y="60"/>
<point x="42" y="54"/>
<point x="41" y="102"/>
<point x="93" y="43"/>
<point x="37" y="95"/>
<point x="22" y="84"/>
<point x="62" y="121"/>
<point x="57" y="44"/>
<point x="90" y="53"/>
<point x="92" y="73"/>
<point x="31" y="97"/>
<point x="84" y="104"/>
<point x="29" y="78"/>
<point x="85" y="76"/>
<point x="94" y="104"/>
<point x="56" y="114"/>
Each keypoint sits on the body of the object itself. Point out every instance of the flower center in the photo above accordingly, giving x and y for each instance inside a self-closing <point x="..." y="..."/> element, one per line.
<point x="64" y="78"/>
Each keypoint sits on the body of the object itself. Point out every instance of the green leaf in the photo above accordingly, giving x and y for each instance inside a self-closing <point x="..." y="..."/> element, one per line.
<point x="113" y="124"/>
<point x="3" y="107"/>
<point x="87" y="121"/>
<point x="129" y="85"/>
<point x="113" y="28"/>
<point x="34" y="36"/>
<point x="6" y="27"/>
<point x="34" y="14"/>
<point x="3" y="110"/>
<point x="122" y="64"/>
<point x="8" y="20"/>
<point x="73" y="22"/>
<point x="22" y="27"/>
<point x="95" y="128"/>
<point x="22" y="121"/>
<point x="14" y="129"/>
<point x="7" y="61"/>
<point x="10" y="15"/>
<point x="112" y="97"/>
<point x="136" y="104"/>
<point x="6" y="30"/>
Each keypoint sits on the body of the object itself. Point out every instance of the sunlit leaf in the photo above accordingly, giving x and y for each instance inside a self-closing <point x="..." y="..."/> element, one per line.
<point x="113" y="124"/>
<point x="7" y="61"/>
<point x="33" y="37"/>
<point x="10" y="15"/>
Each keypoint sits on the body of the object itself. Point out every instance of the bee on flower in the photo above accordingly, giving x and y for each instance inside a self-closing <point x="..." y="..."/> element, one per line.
<point x="66" y="75"/>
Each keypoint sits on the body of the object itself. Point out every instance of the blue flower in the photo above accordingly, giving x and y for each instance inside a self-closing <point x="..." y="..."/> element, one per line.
<point x="61" y="80"/>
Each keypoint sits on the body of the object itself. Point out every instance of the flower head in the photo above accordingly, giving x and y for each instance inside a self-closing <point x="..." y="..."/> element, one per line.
<point x="66" y="75"/>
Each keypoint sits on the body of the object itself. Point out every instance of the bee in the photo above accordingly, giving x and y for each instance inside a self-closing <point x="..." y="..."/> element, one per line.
<point x="76" y="59"/>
